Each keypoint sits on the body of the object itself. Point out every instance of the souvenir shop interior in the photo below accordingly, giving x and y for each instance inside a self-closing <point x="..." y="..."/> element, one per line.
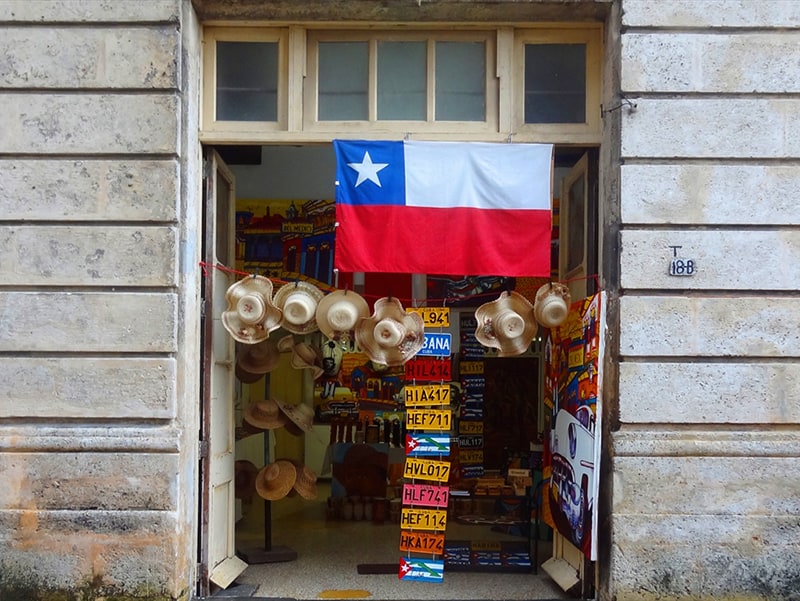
<point x="390" y="424"/>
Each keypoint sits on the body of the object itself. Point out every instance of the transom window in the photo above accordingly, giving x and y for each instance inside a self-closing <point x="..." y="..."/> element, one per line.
<point x="532" y="82"/>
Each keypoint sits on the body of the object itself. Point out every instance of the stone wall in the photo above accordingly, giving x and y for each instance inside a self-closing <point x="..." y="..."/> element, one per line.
<point x="98" y="267"/>
<point x="706" y="476"/>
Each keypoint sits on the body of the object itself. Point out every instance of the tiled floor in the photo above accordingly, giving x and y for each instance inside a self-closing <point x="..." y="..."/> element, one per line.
<point x="328" y="552"/>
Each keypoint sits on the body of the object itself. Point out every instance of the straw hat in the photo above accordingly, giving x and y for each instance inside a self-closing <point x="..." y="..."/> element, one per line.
<point x="250" y="315"/>
<point x="298" y="301"/>
<point x="275" y="480"/>
<point x="255" y="360"/>
<point x="305" y="356"/>
<point x="300" y="417"/>
<point x="551" y="305"/>
<point x="245" y="473"/>
<point x="506" y="324"/>
<point x="266" y="415"/>
<point x="306" y="482"/>
<point x="339" y="312"/>
<point x="390" y="336"/>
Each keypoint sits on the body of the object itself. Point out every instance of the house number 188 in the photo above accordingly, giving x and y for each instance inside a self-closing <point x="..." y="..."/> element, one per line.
<point x="682" y="267"/>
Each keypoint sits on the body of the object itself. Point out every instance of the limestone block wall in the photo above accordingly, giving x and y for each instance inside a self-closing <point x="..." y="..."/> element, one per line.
<point x="706" y="472"/>
<point x="98" y="280"/>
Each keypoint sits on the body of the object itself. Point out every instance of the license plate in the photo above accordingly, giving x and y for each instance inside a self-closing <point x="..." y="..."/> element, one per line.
<point x="421" y="542"/>
<point x="436" y="345"/>
<point x="466" y="427"/>
<point x="428" y="419"/>
<point x="426" y="469"/>
<point x="427" y="369"/>
<point x="427" y="395"/>
<point x="470" y="367"/>
<point x="467" y="457"/>
<point x="433" y="317"/>
<point x="423" y="519"/>
<point x="425" y="495"/>
<point x="470" y="442"/>
<point x="421" y="570"/>
<point x="427" y="445"/>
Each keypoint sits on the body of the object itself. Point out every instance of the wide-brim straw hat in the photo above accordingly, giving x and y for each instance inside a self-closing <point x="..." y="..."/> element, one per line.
<point x="298" y="302"/>
<point x="257" y="360"/>
<point x="339" y="312"/>
<point x="300" y="417"/>
<point x="305" y="356"/>
<point x="275" y="480"/>
<point x="250" y="315"/>
<point x="305" y="483"/>
<point x="390" y="336"/>
<point x="506" y="324"/>
<point x="265" y="415"/>
<point x="551" y="305"/>
<point x="245" y="473"/>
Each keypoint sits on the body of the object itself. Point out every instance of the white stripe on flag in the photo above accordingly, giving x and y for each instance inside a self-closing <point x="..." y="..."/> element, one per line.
<point x="478" y="175"/>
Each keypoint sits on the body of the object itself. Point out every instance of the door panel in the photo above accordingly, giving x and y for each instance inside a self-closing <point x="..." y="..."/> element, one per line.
<point x="219" y="380"/>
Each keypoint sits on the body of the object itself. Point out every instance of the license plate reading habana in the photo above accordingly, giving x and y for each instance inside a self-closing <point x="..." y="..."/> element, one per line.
<point x="428" y="395"/>
<point x="433" y="317"/>
<point x="428" y="419"/>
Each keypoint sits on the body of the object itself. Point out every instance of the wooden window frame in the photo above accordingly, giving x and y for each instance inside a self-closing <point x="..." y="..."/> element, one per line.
<point x="310" y="96"/>
<point x="212" y="35"/>
<point x="580" y="133"/>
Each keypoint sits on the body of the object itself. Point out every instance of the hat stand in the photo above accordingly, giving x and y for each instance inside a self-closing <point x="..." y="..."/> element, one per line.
<point x="269" y="553"/>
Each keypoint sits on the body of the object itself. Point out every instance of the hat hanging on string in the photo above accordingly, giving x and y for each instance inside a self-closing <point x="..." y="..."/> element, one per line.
<point x="551" y="305"/>
<point x="265" y="415"/>
<point x="506" y="324"/>
<point x="255" y="360"/>
<point x="276" y="479"/>
<point x="250" y="315"/>
<point x="298" y="302"/>
<point x="390" y="336"/>
<point x="339" y="312"/>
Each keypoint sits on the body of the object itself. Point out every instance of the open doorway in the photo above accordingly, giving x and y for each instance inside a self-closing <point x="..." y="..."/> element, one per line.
<point x="339" y="541"/>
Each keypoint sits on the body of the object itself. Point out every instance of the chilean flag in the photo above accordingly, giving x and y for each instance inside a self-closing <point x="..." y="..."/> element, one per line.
<point x="443" y="207"/>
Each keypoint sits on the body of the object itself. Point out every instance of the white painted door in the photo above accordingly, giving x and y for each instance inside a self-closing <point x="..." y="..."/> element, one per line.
<point x="219" y="378"/>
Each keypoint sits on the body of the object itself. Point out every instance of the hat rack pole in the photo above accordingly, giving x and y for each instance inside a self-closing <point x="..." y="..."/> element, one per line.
<point x="269" y="553"/>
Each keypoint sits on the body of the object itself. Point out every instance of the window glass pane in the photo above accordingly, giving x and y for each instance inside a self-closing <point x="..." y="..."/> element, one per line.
<point x="555" y="83"/>
<point x="460" y="81"/>
<point x="401" y="80"/>
<point x="247" y="81"/>
<point x="343" y="83"/>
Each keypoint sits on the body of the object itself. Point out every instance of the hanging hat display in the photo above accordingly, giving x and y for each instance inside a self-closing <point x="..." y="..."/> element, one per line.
<point x="255" y="360"/>
<point x="506" y="324"/>
<point x="250" y="315"/>
<point x="390" y="336"/>
<point x="339" y="312"/>
<point x="265" y="415"/>
<point x="245" y="473"/>
<point x="300" y="417"/>
<point x="551" y="305"/>
<point x="298" y="302"/>
<point x="275" y="480"/>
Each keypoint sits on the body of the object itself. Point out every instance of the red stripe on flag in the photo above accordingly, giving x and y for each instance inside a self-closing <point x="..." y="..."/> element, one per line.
<point x="400" y="239"/>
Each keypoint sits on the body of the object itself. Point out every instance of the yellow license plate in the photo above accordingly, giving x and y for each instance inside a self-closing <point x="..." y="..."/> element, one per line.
<point x="428" y="420"/>
<point x="426" y="469"/>
<point x="423" y="519"/>
<point x="470" y="457"/>
<point x="427" y="395"/>
<point x="465" y="427"/>
<point x="433" y="317"/>
<point x="470" y="368"/>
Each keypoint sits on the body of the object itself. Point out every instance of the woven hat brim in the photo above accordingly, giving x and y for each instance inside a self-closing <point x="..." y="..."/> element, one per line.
<point x="356" y="300"/>
<point x="279" y="487"/>
<point x="390" y="308"/>
<point x="507" y="347"/>
<point x="284" y="292"/>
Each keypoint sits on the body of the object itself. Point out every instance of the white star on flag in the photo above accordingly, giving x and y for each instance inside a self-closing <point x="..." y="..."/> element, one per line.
<point x="367" y="170"/>
<point x="412" y="443"/>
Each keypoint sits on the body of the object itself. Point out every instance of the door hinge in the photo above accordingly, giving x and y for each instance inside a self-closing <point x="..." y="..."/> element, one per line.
<point x="202" y="449"/>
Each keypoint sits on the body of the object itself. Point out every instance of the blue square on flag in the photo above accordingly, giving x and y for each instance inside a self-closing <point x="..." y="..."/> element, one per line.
<point x="370" y="173"/>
